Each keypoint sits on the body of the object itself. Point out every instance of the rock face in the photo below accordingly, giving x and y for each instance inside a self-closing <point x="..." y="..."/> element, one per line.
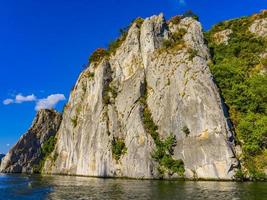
<point x="27" y="152"/>
<point x="259" y="27"/>
<point x="222" y="37"/>
<point x="181" y="96"/>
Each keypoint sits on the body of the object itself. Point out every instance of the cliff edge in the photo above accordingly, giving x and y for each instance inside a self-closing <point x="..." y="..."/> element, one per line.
<point x="29" y="152"/>
<point x="147" y="107"/>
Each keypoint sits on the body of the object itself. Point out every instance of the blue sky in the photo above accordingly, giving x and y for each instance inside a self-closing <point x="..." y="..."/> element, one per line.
<point x="44" y="44"/>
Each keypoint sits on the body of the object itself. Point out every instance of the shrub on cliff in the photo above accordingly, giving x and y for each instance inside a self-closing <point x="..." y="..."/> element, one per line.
<point x="163" y="153"/>
<point x="118" y="148"/>
<point x="48" y="146"/>
<point x="97" y="55"/>
<point x="175" y="40"/>
<point x="189" y="13"/>
<point x="237" y="70"/>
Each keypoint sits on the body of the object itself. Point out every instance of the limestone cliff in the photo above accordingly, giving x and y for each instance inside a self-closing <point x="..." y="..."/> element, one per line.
<point x="27" y="153"/>
<point x="147" y="110"/>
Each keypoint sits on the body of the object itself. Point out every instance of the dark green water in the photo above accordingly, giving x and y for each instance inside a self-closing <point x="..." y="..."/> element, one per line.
<point x="62" y="187"/>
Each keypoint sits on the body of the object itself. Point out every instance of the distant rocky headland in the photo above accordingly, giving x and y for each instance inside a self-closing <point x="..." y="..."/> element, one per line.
<point x="165" y="100"/>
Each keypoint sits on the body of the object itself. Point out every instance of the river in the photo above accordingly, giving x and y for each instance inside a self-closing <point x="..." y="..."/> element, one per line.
<point x="24" y="187"/>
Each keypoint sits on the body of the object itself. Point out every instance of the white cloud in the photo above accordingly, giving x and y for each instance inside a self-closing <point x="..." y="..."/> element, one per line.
<point x="49" y="102"/>
<point x="8" y="101"/>
<point x="45" y="103"/>
<point x="7" y="145"/>
<point x="20" y="98"/>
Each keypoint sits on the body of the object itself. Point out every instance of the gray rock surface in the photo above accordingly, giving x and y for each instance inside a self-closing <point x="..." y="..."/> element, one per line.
<point x="259" y="27"/>
<point x="27" y="151"/>
<point x="222" y="37"/>
<point x="105" y="104"/>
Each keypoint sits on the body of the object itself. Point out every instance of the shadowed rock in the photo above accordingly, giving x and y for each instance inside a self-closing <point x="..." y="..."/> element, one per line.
<point x="26" y="154"/>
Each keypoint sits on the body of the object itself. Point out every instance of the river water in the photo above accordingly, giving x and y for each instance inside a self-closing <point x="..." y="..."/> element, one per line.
<point x="23" y="187"/>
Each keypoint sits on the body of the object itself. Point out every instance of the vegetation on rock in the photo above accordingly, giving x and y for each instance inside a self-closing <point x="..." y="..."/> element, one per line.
<point x="46" y="149"/>
<point x="186" y="130"/>
<point x="164" y="148"/>
<point x="100" y="53"/>
<point x="190" y="13"/>
<point x="175" y="40"/>
<point x="177" y="19"/>
<point x="118" y="148"/>
<point x="97" y="55"/>
<point x="237" y="68"/>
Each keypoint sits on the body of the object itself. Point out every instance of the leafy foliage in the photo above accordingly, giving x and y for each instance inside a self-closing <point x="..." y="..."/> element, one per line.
<point x="175" y="40"/>
<point x="192" y="53"/>
<point x="46" y="149"/>
<point x="237" y="70"/>
<point x="190" y="13"/>
<point x="48" y="146"/>
<point x="239" y="175"/>
<point x="164" y="148"/>
<point x="74" y="121"/>
<point x="91" y="75"/>
<point x="176" y="19"/>
<point x="97" y="55"/>
<point x="118" y="148"/>
<point x="163" y="155"/>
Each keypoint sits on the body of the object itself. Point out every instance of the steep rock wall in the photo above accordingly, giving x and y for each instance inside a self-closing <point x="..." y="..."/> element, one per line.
<point x="105" y="106"/>
<point x="26" y="153"/>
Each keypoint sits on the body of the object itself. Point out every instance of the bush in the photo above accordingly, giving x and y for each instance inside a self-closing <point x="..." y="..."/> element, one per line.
<point x="167" y="44"/>
<point x="186" y="130"/>
<point x="243" y="88"/>
<point x="138" y="21"/>
<point x="48" y="146"/>
<point x="192" y="53"/>
<point x="46" y="149"/>
<point x="190" y="13"/>
<point x="252" y="131"/>
<point x="264" y="61"/>
<point x="163" y="155"/>
<point x="118" y="148"/>
<point x="97" y="55"/>
<point x="91" y="75"/>
<point x="114" y="45"/>
<point x="239" y="175"/>
<point x="175" y="39"/>
<point x="176" y="19"/>
<point x="164" y="148"/>
<point x="74" y="121"/>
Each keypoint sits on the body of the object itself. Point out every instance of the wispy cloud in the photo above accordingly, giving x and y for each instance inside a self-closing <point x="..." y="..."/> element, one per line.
<point x="8" y="101"/>
<point x="49" y="102"/>
<point x="44" y="103"/>
<point x="20" y="98"/>
<point x="182" y="2"/>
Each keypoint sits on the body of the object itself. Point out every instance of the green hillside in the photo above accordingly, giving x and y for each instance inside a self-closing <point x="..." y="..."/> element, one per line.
<point x="239" y="68"/>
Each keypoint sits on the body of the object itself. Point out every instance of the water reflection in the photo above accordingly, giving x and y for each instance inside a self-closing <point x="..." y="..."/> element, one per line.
<point x="63" y="187"/>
